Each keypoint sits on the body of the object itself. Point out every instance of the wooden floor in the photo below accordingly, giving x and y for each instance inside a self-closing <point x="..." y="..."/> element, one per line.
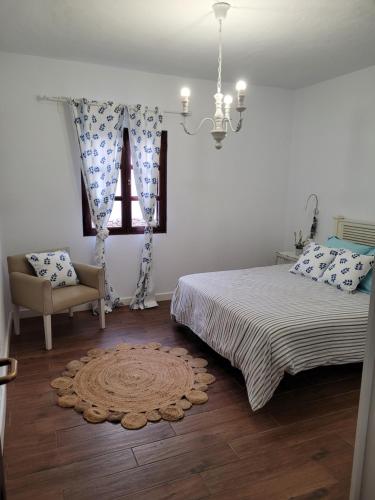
<point x="299" y="446"/>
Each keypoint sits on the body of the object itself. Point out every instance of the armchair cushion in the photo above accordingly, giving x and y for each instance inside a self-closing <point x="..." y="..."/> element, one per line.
<point x="63" y="298"/>
<point x="54" y="266"/>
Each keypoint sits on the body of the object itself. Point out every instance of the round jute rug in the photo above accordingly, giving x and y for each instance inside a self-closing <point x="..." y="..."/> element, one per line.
<point x="133" y="384"/>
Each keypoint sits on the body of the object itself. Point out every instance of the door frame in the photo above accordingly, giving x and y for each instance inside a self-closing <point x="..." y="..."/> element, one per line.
<point x="366" y="410"/>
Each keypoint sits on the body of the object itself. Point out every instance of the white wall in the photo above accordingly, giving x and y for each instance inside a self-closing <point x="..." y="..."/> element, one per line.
<point x="225" y="209"/>
<point x="332" y="152"/>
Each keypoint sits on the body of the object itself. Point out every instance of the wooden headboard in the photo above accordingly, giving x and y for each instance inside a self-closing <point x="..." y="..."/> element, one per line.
<point x="356" y="231"/>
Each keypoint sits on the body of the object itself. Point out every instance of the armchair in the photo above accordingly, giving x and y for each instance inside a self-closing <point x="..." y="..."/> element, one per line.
<point x="37" y="294"/>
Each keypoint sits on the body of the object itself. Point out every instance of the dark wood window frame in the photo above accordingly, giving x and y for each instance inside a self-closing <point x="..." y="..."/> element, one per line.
<point x="126" y="198"/>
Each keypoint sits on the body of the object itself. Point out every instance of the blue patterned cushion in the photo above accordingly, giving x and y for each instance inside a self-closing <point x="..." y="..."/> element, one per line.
<point x="335" y="242"/>
<point x="348" y="270"/>
<point x="314" y="261"/>
<point x="54" y="266"/>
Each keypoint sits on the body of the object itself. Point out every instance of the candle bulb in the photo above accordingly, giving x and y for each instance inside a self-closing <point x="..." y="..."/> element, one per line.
<point x="228" y="99"/>
<point x="241" y="87"/>
<point x="185" y="95"/>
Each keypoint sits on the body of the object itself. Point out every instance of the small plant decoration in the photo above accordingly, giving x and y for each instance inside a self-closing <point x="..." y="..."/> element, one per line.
<point x="299" y="242"/>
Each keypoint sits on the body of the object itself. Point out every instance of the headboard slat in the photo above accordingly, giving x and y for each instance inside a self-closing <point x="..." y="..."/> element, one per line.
<point x="356" y="231"/>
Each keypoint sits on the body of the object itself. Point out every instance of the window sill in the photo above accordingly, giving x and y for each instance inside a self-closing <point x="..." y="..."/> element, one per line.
<point x="120" y="231"/>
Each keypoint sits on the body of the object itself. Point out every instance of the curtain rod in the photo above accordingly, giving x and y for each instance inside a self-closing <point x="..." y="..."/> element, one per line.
<point x="92" y="102"/>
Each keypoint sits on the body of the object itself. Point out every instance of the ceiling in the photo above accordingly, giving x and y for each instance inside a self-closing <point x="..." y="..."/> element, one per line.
<point x="285" y="43"/>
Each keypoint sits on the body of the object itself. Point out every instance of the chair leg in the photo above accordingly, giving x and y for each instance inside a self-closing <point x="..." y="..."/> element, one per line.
<point x="47" y="331"/>
<point x="71" y="312"/>
<point x="16" y="319"/>
<point x="101" y="313"/>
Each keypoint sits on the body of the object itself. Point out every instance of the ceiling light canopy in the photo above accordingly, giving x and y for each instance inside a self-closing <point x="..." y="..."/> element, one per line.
<point x="221" y="120"/>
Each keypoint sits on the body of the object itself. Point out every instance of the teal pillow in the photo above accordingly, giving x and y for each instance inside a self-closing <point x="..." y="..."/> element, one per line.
<point x="366" y="284"/>
<point x="335" y="242"/>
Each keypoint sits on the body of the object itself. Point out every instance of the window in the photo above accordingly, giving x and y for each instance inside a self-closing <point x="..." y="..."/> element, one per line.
<point x="126" y="216"/>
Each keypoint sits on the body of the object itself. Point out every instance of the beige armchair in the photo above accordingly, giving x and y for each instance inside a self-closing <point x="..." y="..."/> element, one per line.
<point x="37" y="294"/>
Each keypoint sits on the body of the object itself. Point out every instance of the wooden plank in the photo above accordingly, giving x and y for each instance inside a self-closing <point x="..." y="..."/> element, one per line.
<point x="202" y="438"/>
<point x="192" y="488"/>
<point x="308" y="478"/>
<point x="71" y="475"/>
<point x="34" y="459"/>
<point x="289" y="435"/>
<point x="154" y="474"/>
<point x="208" y="419"/>
<point x="303" y="409"/>
<point x="87" y="432"/>
<point x="175" y="446"/>
<point x="267" y="461"/>
<point x="338" y="491"/>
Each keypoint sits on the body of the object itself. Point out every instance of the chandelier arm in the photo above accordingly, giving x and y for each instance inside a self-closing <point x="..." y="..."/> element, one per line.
<point x="238" y="126"/>
<point x="183" y="125"/>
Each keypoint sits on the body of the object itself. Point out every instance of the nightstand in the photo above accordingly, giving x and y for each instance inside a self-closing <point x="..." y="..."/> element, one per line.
<point x="287" y="257"/>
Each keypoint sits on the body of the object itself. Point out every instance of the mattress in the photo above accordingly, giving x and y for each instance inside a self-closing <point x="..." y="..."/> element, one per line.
<point x="267" y="321"/>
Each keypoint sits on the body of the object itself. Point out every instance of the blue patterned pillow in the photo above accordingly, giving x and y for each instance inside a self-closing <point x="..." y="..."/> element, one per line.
<point x="314" y="261"/>
<point x="348" y="270"/>
<point x="54" y="266"/>
<point x="335" y="242"/>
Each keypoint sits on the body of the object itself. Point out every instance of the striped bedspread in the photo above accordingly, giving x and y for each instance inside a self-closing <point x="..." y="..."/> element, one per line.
<point x="267" y="321"/>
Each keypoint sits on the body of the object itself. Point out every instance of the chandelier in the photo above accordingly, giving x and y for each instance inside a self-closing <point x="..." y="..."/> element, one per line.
<point x="221" y="120"/>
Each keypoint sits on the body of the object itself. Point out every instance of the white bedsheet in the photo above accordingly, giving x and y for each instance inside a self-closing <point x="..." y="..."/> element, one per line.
<point x="267" y="321"/>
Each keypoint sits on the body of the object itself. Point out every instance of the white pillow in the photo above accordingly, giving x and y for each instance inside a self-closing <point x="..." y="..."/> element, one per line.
<point x="55" y="267"/>
<point x="314" y="261"/>
<point x="348" y="270"/>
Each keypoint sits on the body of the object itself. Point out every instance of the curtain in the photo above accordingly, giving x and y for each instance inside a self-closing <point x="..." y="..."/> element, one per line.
<point x="145" y="136"/>
<point x="99" y="129"/>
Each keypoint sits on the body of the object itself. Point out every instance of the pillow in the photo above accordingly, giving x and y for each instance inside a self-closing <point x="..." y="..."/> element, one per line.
<point x="366" y="284"/>
<point x="314" y="261"/>
<point x="54" y="266"/>
<point x="335" y="242"/>
<point x="348" y="270"/>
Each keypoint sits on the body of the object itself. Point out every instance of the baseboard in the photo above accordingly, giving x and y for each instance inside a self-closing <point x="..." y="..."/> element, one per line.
<point x="164" y="296"/>
<point x="160" y="297"/>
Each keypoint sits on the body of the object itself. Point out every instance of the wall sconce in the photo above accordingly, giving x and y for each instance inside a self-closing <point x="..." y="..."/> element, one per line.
<point x="314" y="224"/>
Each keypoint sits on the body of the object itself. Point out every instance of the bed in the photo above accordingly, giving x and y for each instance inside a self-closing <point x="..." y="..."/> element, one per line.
<point x="267" y="321"/>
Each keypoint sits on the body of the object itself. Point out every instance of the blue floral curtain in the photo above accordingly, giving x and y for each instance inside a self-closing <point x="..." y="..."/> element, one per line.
<point x="100" y="131"/>
<point x="145" y="135"/>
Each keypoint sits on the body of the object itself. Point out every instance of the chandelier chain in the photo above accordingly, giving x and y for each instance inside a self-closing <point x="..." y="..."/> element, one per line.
<point x="219" y="59"/>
